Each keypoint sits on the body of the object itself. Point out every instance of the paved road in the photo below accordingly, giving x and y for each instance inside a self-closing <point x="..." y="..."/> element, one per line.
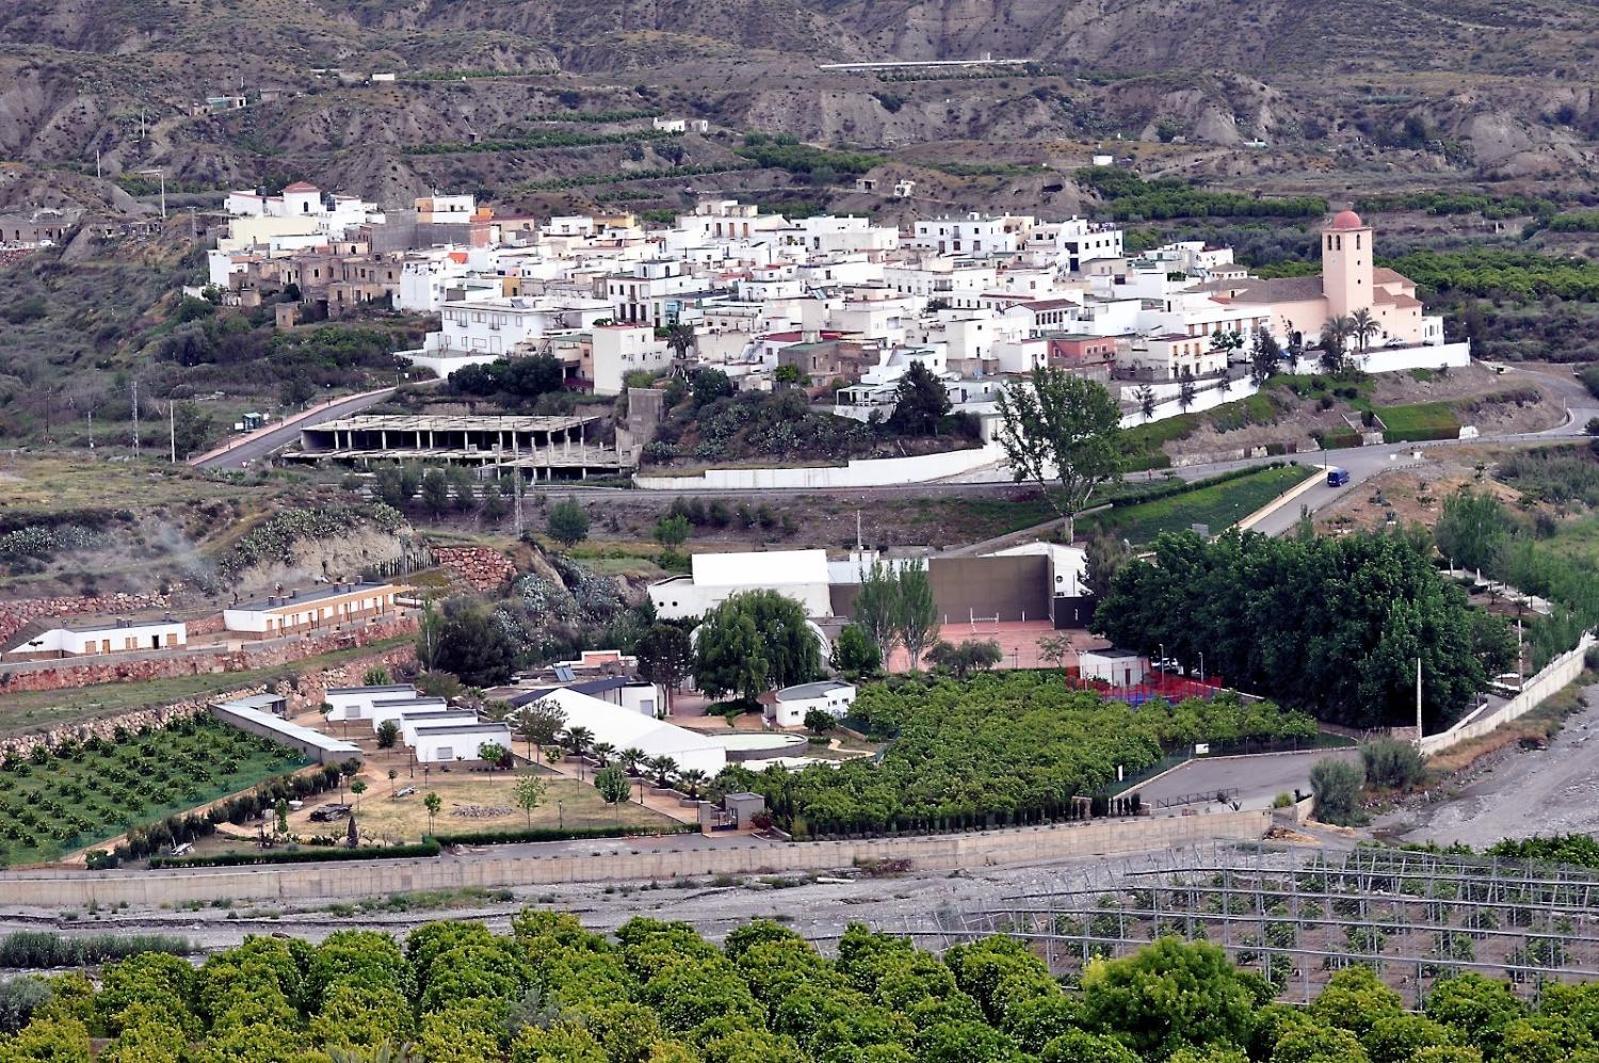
<point x="289" y="432"/>
<point x="1257" y="779"/>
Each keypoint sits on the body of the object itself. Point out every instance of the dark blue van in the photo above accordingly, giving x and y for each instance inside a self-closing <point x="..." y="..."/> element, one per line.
<point x="1337" y="477"/>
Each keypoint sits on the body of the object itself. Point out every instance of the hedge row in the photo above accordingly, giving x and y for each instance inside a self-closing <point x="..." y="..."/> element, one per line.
<point x="427" y="847"/>
<point x="551" y="834"/>
<point x="1179" y="486"/>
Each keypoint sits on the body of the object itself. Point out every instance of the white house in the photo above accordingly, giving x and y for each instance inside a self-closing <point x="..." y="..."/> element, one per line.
<point x="793" y="703"/>
<point x="459" y="742"/>
<point x="308" y="610"/>
<point x="395" y="708"/>
<point x="618" y="350"/>
<point x="105" y="636"/>
<point x="626" y="729"/>
<point x="714" y="578"/>
<point x="355" y="703"/>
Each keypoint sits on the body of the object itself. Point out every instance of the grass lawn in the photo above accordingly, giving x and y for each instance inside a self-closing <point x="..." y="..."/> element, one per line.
<point x="568" y="803"/>
<point x="35" y="711"/>
<point x="1218" y="505"/>
<point x="71" y="802"/>
<point x="1422" y="420"/>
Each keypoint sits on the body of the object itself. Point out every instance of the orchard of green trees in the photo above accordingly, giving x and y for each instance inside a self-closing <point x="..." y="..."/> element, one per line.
<point x="1333" y="626"/>
<point x="995" y="749"/>
<point x="553" y="992"/>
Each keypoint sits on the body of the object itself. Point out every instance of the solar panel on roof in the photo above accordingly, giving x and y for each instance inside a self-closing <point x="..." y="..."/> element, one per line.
<point x="563" y="672"/>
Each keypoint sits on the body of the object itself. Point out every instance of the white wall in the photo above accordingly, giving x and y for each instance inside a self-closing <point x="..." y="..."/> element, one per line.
<point x="1203" y="400"/>
<point x="145" y="637"/>
<point x="870" y="472"/>
<point x="682" y="599"/>
<point x="1556" y="675"/>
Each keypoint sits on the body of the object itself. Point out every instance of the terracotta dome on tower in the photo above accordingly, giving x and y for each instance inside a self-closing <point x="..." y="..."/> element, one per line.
<point x="1346" y="219"/>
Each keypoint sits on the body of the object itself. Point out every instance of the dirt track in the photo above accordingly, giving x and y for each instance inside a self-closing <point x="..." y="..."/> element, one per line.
<point x="1552" y="791"/>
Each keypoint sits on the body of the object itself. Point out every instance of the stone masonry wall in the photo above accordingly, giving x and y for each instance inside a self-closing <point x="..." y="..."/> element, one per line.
<point x="477" y="566"/>
<point x="304" y="694"/>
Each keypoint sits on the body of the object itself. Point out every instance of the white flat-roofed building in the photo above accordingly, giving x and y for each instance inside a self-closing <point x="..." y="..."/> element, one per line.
<point x="459" y="742"/>
<point x="413" y="725"/>
<point x="625" y="729"/>
<point x="792" y="704"/>
<point x="355" y="703"/>
<point x="713" y="578"/>
<point x="307" y="610"/>
<point x="392" y="708"/>
<point x="97" y="637"/>
<point x="1119" y="668"/>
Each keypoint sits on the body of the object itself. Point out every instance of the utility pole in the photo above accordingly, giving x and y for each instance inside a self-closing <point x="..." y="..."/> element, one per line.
<point x="172" y="428"/>
<point x="1418" y="703"/>
<point x="136" y="417"/>
<point x="97" y="164"/>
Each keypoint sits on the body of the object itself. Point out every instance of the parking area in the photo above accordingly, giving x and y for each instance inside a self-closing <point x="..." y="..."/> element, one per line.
<point x="1252" y="781"/>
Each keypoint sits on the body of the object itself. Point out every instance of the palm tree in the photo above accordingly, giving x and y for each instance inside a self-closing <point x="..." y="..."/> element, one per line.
<point x="694" y="778"/>
<point x="681" y="339"/>
<point x="1363" y="327"/>
<point x="631" y="758"/>
<point x="603" y="752"/>
<point x="1334" y="335"/>
<point x="664" y="768"/>
<point x="578" y="739"/>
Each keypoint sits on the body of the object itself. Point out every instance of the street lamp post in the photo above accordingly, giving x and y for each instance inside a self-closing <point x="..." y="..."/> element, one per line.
<point x="1201" y="667"/>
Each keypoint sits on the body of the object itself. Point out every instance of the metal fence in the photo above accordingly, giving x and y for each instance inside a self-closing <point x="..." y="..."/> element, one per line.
<point x="1298" y="915"/>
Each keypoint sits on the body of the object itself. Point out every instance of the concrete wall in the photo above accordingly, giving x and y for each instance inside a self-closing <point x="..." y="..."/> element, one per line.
<point x="1203" y="400"/>
<point x="870" y="472"/>
<point x="1011" y="588"/>
<point x="364" y="878"/>
<point x="1556" y="675"/>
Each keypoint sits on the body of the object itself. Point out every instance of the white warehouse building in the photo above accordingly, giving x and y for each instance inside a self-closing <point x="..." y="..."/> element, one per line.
<point x="624" y="729"/>
<point x="714" y="578"/>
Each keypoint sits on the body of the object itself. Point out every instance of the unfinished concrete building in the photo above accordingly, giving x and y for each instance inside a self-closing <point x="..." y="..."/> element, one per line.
<point x="539" y="448"/>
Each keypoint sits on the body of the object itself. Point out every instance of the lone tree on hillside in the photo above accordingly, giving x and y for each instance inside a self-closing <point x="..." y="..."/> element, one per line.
<point x="568" y="523"/>
<point x="1061" y="431"/>
<point x="472" y="647"/>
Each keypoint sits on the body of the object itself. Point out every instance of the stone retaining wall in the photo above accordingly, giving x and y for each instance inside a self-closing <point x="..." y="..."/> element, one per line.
<point x="74" y="672"/>
<point x="305" y="693"/>
<point x="479" y="567"/>
<point x="365" y="878"/>
<point x="15" y="615"/>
